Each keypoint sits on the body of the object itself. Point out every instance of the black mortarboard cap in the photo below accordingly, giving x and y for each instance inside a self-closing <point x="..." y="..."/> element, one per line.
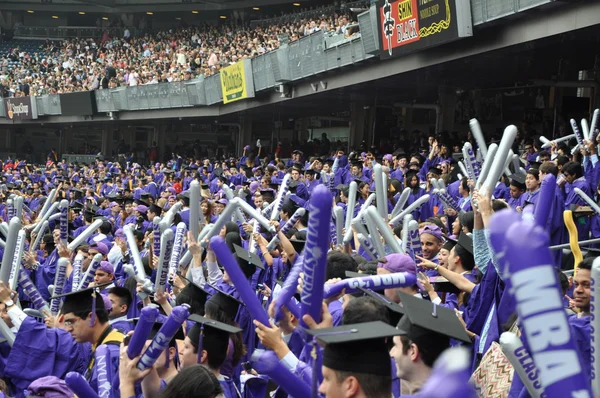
<point x="518" y="184"/>
<point x="298" y="166"/>
<point x="292" y="186"/>
<point x="139" y="202"/>
<point x="194" y="291"/>
<point x="83" y="300"/>
<point x="535" y="164"/>
<point x="268" y="195"/>
<point x="395" y="310"/>
<point x="248" y="257"/>
<point x="425" y="322"/>
<point x="466" y="242"/>
<point x="410" y="174"/>
<point x="310" y="171"/>
<point x="274" y="186"/>
<point x="223" y="327"/>
<point x="298" y="244"/>
<point x="226" y="302"/>
<point x="359" y="348"/>
<point x="206" y="328"/>
<point x="352" y="274"/>
<point x="449" y="244"/>
<point x="155" y="209"/>
<point x="443" y="285"/>
<point x="342" y="187"/>
<point x="435" y="170"/>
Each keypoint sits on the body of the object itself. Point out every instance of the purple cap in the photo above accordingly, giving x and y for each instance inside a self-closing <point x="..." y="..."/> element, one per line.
<point x="388" y="157"/>
<point x="49" y="387"/>
<point x="112" y="204"/>
<point x="141" y="208"/>
<point x="106" y="267"/>
<point x="222" y="201"/>
<point x="119" y="233"/>
<point x="157" y="165"/>
<point x="255" y="169"/>
<point x="432" y="230"/>
<point x="107" y="303"/>
<point x="101" y="247"/>
<point x="172" y="190"/>
<point x="254" y="185"/>
<point x="398" y="262"/>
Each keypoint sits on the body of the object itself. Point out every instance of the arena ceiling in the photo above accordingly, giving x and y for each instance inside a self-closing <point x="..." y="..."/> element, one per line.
<point x="117" y="6"/>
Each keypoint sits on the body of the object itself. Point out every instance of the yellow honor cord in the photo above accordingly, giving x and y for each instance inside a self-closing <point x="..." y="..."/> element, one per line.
<point x="573" y="238"/>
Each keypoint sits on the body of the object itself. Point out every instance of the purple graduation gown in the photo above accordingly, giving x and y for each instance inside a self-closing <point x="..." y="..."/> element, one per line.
<point x="39" y="351"/>
<point x="582" y="223"/>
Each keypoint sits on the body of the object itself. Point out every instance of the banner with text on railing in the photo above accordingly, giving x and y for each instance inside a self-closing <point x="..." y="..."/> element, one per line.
<point x="237" y="82"/>
<point x="412" y="25"/>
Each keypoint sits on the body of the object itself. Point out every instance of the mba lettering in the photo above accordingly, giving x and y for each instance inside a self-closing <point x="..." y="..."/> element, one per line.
<point x="545" y="323"/>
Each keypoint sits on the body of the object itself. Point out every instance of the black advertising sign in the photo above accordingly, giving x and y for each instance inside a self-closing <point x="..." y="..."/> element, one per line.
<point x="20" y="108"/>
<point x="411" y="25"/>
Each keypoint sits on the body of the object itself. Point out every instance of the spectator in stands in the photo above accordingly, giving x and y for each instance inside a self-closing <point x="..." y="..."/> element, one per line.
<point x="167" y="56"/>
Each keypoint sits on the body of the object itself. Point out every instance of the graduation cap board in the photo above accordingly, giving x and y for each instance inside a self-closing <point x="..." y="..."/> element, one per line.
<point x="225" y="301"/>
<point x="83" y="300"/>
<point x="359" y="348"/>
<point x="425" y="322"/>
<point x="443" y="285"/>
<point x="249" y="257"/>
<point x="352" y="274"/>
<point x="395" y="310"/>
<point x="206" y="328"/>
<point x="466" y="242"/>
<point x="449" y="244"/>
<point x="195" y="291"/>
<point x="298" y="244"/>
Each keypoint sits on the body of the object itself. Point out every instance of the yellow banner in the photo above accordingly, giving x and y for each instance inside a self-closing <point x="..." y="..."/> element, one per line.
<point x="233" y="83"/>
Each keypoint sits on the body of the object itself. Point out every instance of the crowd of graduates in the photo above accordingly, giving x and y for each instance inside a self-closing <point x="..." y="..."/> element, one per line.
<point x="198" y="277"/>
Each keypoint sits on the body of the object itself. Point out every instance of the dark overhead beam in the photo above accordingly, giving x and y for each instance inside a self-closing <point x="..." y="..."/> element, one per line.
<point x="105" y="3"/>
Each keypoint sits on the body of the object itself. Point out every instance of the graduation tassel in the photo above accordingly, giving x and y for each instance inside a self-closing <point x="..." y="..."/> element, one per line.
<point x="572" y="229"/>
<point x="93" y="318"/>
<point x="168" y="357"/>
<point x="315" y="354"/>
<point x="200" y="338"/>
